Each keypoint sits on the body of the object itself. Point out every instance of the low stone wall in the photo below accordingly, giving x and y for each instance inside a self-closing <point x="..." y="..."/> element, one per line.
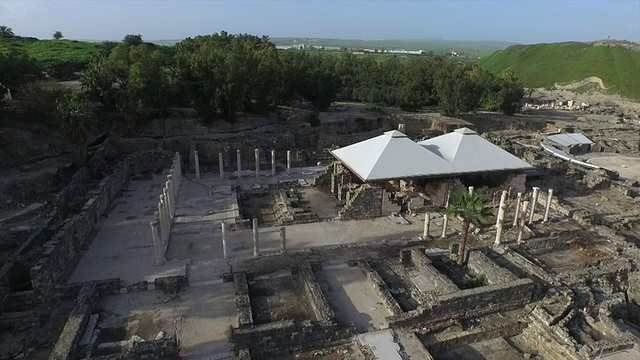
<point x="324" y="313"/>
<point x="165" y="349"/>
<point x="443" y="285"/>
<point x="442" y="341"/>
<point x="63" y="250"/>
<point x="243" y="303"/>
<point x="480" y="264"/>
<point x="380" y="287"/>
<point x="74" y="328"/>
<point x="285" y="336"/>
<point x="486" y="299"/>
<point x="365" y="203"/>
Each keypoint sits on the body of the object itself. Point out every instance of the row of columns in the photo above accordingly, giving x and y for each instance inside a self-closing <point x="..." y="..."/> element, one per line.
<point x="256" y="239"/>
<point x="522" y="213"/>
<point x="239" y="162"/>
<point x="161" y="226"/>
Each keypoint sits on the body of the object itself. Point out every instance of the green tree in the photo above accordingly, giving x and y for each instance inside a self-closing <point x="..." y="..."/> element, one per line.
<point x="133" y="39"/>
<point x="58" y="35"/>
<point x="17" y="69"/>
<point x="77" y="122"/>
<point x="456" y="90"/>
<point x="472" y="208"/>
<point x="6" y="32"/>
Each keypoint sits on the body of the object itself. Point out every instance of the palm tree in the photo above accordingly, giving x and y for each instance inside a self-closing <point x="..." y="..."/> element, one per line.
<point x="472" y="208"/>
<point x="6" y="32"/>
<point x="77" y="121"/>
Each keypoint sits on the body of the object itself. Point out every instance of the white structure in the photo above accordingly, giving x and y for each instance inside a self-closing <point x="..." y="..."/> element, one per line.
<point x="393" y="155"/>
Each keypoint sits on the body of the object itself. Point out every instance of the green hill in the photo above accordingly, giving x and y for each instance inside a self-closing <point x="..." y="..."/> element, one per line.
<point x="60" y="58"/>
<point x="544" y="65"/>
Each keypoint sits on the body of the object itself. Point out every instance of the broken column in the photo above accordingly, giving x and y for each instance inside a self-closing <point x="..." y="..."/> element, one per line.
<point x="256" y="251"/>
<point x="471" y="188"/>
<point x="157" y="245"/>
<point x="283" y="239"/>
<point x="197" y="162"/>
<point x="547" y="206"/>
<point x="534" y="201"/>
<point x="523" y="220"/>
<point x="257" y="155"/>
<point x="517" y="213"/>
<point x="223" y="228"/>
<point x="427" y="221"/>
<point x="239" y="161"/>
<point x="500" y="220"/>
<point x="445" y="218"/>
<point x="221" y="165"/>
<point x="273" y="162"/>
<point x="288" y="160"/>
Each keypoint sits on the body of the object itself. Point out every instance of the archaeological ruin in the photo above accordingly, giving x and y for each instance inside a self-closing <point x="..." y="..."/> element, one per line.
<point x="275" y="239"/>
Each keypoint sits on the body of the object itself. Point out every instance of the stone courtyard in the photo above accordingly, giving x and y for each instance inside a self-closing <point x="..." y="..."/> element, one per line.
<point x="253" y="244"/>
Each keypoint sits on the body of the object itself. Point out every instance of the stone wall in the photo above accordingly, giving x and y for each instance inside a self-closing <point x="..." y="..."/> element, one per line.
<point x="62" y="251"/>
<point x="380" y="287"/>
<point x="263" y="341"/>
<point x="486" y="299"/>
<point x="243" y="303"/>
<point x="443" y="285"/>
<point x="441" y="341"/>
<point x="165" y="349"/>
<point x="481" y="265"/>
<point x="324" y="313"/>
<point x="74" y="328"/>
<point x="365" y="203"/>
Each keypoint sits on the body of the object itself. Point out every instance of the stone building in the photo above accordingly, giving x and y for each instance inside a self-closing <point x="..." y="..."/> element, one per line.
<point x="392" y="173"/>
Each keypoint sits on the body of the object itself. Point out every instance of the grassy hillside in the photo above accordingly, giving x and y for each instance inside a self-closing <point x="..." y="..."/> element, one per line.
<point x="58" y="57"/>
<point x="543" y="65"/>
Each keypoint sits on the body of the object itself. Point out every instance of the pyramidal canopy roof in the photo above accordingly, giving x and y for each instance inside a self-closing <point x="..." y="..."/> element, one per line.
<point x="390" y="156"/>
<point x="468" y="152"/>
<point x="393" y="155"/>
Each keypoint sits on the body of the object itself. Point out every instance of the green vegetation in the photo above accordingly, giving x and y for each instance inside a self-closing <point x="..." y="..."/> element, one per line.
<point x="77" y="122"/>
<point x="544" y="65"/>
<point x="472" y="208"/>
<point x="58" y="58"/>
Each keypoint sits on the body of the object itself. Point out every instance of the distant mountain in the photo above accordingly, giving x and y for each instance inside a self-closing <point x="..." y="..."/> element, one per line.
<point x="614" y="65"/>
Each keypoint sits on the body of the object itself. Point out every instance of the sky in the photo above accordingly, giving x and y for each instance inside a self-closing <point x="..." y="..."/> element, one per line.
<point x="518" y="21"/>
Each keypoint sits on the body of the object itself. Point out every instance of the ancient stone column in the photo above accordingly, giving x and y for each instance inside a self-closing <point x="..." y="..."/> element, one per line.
<point x="221" y="165"/>
<point x="223" y="228"/>
<point x="179" y="162"/>
<point x="471" y="188"/>
<point x="534" y="201"/>
<point x="239" y="161"/>
<point x="273" y="162"/>
<point x="197" y="161"/>
<point x="288" y="160"/>
<point x="256" y="250"/>
<point x="547" y="206"/>
<point x="257" y="155"/>
<point x="167" y="200"/>
<point x="158" y="249"/>
<point x="162" y="211"/>
<point x="517" y="213"/>
<point x="283" y="239"/>
<point x="445" y="218"/>
<point x="500" y="220"/>
<point x="523" y="220"/>
<point x="427" y="221"/>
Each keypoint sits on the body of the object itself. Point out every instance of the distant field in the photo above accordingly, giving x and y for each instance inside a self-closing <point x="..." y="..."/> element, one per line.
<point x="544" y="65"/>
<point x="471" y="48"/>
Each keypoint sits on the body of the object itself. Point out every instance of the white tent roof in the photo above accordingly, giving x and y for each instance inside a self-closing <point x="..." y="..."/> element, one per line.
<point x="390" y="156"/>
<point x="468" y="152"/>
<point x="569" y="139"/>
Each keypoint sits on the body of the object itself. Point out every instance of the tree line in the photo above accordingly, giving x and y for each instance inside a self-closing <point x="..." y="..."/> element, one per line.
<point x="221" y="75"/>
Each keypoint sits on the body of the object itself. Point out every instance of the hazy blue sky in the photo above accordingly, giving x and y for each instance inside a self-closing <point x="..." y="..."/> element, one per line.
<point x="517" y="20"/>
